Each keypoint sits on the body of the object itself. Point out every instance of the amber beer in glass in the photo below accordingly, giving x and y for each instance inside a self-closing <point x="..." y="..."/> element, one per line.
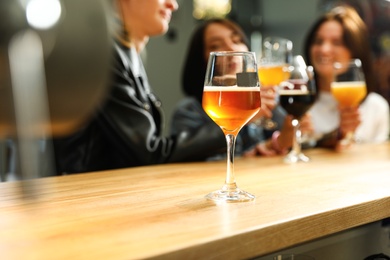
<point x="273" y="74"/>
<point x="231" y="107"/>
<point x="349" y="93"/>
<point x="348" y="88"/>
<point x="275" y="60"/>
<point x="231" y="97"/>
<point x="273" y="68"/>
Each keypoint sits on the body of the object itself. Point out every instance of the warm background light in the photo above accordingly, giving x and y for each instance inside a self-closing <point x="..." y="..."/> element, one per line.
<point x="43" y="14"/>
<point x="204" y="9"/>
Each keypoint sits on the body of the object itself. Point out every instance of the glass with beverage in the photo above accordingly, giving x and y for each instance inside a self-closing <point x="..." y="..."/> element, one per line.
<point x="273" y="68"/>
<point x="231" y="97"/>
<point x="297" y="95"/>
<point x="349" y="87"/>
<point x="271" y="73"/>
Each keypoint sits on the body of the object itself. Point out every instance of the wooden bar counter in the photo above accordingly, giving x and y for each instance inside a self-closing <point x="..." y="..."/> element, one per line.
<point x="160" y="211"/>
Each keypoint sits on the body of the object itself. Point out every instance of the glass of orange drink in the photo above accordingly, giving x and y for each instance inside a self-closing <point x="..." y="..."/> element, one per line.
<point x="271" y="74"/>
<point x="231" y="97"/>
<point x="349" y="87"/>
<point x="273" y="68"/>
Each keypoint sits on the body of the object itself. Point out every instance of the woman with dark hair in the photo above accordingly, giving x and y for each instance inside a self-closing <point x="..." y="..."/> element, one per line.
<point x="196" y="61"/>
<point x="338" y="36"/>
<point x="225" y="35"/>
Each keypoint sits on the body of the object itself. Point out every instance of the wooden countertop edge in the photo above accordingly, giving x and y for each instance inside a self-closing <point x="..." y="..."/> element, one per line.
<point x="262" y="241"/>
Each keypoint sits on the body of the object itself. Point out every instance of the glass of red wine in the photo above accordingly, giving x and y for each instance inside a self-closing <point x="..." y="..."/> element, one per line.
<point x="296" y="96"/>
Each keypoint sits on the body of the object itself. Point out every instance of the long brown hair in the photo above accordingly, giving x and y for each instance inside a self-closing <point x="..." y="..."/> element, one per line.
<point x="195" y="64"/>
<point x="355" y="37"/>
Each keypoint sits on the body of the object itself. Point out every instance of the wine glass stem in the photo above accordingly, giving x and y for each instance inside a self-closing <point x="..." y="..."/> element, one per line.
<point x="296" y="137"/>
<point x="230" y="182"/>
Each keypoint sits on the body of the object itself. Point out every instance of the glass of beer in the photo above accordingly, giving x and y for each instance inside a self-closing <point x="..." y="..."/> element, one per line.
<point x="231" y="97"/>
<point x="349" y="87"/>
<point x="273" y="68"/>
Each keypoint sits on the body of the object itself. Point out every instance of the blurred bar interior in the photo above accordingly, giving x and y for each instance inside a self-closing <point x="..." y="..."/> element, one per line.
<point x="54" y="58"/>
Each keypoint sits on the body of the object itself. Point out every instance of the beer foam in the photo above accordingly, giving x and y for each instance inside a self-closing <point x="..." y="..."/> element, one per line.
<point x="230" y="88"/>
<point x="348" y="84"/>
<point x="294" y="92"/>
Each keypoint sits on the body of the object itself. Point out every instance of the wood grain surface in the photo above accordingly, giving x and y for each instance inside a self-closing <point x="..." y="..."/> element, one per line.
<point x="160" y="211"/>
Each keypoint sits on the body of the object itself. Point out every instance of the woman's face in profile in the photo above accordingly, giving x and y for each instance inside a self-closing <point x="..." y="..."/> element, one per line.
<point x="148" y="17"/>
<point x="328" y="47"/>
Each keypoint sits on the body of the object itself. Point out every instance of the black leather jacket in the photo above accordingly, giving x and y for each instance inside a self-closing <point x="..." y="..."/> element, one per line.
<point x="127" y="129"/>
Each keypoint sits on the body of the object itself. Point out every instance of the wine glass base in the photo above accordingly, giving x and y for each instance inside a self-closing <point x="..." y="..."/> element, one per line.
<point x="235" y="195"/>
<point x="293" y="157"/>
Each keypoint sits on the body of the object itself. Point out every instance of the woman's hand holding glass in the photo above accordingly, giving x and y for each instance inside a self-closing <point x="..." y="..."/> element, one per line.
<point x="349" y="119"/>
<point x="287" y="132"/>
<point x="268" y="103"/>
<point x="349" y="122"/>
<point x="284" y="140"/>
